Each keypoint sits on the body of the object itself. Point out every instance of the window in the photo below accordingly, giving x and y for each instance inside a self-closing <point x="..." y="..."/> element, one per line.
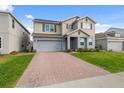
<point x="81" y="41"/>
<point x="0" y="42"/>
<point x="70" y="26"/>
<point x="90" y="41"/>
<point x="49" y="28"/>
<point x="117" y="35"/>
<point x="86" y="25"/>
<point x="13" y="23"/>
<point x="67" y="26"/>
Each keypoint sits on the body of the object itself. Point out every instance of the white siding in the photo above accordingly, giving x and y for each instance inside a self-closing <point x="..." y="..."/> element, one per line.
<point x="4" y="28"/>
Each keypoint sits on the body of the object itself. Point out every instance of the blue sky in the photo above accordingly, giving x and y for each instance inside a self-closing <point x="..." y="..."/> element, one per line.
<point x="105" y="16"/>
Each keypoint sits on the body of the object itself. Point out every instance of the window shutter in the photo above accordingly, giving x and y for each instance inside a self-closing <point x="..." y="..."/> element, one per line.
<point x="91" y="26"/>
<point x="81" y="25"/>
<point x="43" y="28"/>
<point x="66" y="26"/>
<point x="55" y="27"/>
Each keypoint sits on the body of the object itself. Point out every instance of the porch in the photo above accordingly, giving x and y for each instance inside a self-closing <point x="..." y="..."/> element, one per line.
<point x="75" y="42"/>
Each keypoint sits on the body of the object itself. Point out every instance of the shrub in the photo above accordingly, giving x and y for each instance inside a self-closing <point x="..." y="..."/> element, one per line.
<point x="68" y="50"/>
<point x="80" y="50"/>
<point x="92" y="50"/>
<point x="85" y="50"/>
<point x="110" y="50"/>
<point x="97" y="50"/>
<point x="13" y="52"/>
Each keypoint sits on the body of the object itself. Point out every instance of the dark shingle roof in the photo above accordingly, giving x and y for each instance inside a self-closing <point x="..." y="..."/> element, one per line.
<point x="47" y="21"/>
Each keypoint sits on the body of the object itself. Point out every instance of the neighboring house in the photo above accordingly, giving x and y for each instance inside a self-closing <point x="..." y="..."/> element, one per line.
<point x="112" y="39"/>
<point x="13" y="35"/>
<point x="72" y="33"/>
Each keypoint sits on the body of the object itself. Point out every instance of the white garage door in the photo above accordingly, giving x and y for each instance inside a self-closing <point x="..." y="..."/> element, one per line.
<point x="45" y="45"/>
<point x="115" y="46"/>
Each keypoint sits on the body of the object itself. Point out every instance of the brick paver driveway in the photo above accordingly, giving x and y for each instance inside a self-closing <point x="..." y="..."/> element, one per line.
<point x="55" y="67"/>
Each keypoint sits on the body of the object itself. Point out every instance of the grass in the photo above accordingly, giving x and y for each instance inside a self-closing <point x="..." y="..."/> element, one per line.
<point x="111" y="61"/>
<point x="12" y="67"/>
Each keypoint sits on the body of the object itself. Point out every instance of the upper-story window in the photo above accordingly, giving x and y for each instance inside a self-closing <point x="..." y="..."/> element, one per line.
<point x="117" y="35"/>
<point x="13" y="23"/>
<point x="0" y="42"/>
<point x="69" y="26"/>
<point x="86" y="26"/>
<point x="49" y="28"/>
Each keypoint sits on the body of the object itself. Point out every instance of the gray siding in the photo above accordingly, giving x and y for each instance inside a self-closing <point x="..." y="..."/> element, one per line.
<point x="101" y="43"/>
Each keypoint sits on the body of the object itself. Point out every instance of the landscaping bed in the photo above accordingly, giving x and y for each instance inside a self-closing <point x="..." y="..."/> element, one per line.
<point x="12" y="67"/>
<point x="110" y="61"/>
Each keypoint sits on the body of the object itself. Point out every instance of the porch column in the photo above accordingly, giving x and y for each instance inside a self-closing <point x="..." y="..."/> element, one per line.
<point x="68" y="42"/>
<point x="78" y="42"/>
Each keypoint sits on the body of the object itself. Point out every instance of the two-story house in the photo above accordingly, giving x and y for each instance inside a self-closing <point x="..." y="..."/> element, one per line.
<point x="112" y="39"/>
<point x="72" y="33"/>
<point x="13" y="35"/>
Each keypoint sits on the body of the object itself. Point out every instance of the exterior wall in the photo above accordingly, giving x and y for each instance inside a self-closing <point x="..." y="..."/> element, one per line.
<point x="70" y="21"/>
<point x="4" y="29"/>
<point x="102" y="43"/>
<point x="12" y="39"/>
<point x="38" y="28"/>
<point x="88" y="31"/>
<point x="18" y="37"/>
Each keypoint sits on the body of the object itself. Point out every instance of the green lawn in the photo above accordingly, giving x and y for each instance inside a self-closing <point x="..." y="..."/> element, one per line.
<point x="12" y="67"/>
<point x="111" y="61"/>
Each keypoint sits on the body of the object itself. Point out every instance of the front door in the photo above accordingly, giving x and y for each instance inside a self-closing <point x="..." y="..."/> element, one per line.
<point x="73" y="43"/>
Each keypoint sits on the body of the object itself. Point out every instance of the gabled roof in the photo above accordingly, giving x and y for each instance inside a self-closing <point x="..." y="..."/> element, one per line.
<point x="76" y="31"/>
<point x="89" y="19"/>
<point x="71" y="18"/>
<point x="15" y="19"/>
<point x="115" y="29"/>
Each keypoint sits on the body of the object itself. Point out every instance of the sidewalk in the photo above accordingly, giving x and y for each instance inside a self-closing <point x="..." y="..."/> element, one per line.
<point x="106" y="81"/>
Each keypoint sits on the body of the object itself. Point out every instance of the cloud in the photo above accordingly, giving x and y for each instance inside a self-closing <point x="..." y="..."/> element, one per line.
<point x="29" y="17"/>
<point x="30" y="29"/>
<point x="8" y="8"/>
<point x="102" y="27"/>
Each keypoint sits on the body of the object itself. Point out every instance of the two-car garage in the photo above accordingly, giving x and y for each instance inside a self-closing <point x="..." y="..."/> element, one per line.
<point x="51" y="44"/>
<point x="116" y="45"/>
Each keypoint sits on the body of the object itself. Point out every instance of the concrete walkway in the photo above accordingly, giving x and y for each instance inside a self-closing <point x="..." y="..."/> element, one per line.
<point x="106" y="81"/>
<point x="49" y="68"/>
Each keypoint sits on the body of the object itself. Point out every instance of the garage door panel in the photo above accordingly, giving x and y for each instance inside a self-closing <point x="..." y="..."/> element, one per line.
<point x="115" y="46"/>
<point x="53" y="45"/>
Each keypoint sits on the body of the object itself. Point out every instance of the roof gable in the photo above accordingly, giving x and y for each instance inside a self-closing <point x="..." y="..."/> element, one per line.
<point x="89" y="19"/>
<point x="76" y="33"/>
